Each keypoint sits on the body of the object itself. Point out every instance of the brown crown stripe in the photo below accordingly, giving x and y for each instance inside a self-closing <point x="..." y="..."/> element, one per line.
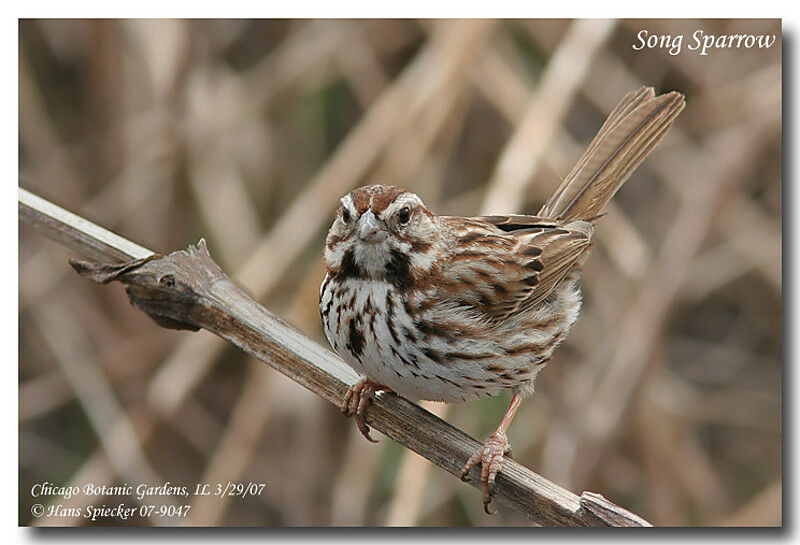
<point x="384" y="198"/>
<point x="376" y="196"/>
<point x="361" y="200"/>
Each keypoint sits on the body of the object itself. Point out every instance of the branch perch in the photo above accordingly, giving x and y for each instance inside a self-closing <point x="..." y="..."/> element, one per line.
<point x="186" y="289"/>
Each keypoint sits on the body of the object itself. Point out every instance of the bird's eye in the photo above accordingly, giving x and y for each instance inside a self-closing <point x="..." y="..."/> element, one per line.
<point x="345" y="215"/>
<point x="404" y="215"/>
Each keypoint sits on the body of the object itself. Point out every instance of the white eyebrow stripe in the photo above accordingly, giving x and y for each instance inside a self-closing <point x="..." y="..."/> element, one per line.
<point x="406" y="199"/>
<point x="347" y="202"/>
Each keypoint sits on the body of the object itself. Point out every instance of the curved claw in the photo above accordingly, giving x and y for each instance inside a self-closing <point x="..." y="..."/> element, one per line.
<point x="364" y="429"/>
<point x="356" y="401"/>
<point x="486" y="501"/>
<point x="490" y="456"/>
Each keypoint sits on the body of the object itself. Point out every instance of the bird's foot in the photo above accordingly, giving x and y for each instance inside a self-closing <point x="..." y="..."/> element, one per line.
<point x="490" y="455"/>
<point x="356" y="401"/>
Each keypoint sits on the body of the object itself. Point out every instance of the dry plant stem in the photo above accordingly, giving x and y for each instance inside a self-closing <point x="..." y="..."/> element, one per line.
<point x="409" y="497"/>
<point x="610" y="394"/>
<point x="564" y="73"/>
<point x="76" y="233"/>
<point x="187" y="290"/>
<point x="359" y="465"/>
<point x="764" y="506"/>
<point x="40" y="395"/>
<point x="236" y="448"/>
<point x="120" y="442"/>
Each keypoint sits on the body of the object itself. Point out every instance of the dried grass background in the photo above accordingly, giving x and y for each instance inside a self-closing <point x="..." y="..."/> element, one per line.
<point x="666" y="398"/>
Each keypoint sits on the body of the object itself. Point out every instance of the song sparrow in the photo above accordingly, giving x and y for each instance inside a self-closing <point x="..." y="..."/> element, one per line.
<point x="450" y="308"/>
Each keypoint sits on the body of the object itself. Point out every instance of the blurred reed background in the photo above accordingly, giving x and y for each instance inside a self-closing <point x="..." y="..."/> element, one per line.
<point x="666" y="398"/>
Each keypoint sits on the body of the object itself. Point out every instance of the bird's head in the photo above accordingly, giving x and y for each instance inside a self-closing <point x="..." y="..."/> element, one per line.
<point x="380" y="231"/>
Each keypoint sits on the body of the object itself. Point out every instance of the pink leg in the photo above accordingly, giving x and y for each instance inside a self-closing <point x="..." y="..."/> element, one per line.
<point x="356" y="401"/>
<point x="491" y="454"/>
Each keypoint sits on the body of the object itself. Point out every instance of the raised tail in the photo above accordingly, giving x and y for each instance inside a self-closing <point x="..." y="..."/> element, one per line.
<point x="631" y="131"/>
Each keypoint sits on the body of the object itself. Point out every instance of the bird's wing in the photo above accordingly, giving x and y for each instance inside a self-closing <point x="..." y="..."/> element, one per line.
<point x="505" y="264"/>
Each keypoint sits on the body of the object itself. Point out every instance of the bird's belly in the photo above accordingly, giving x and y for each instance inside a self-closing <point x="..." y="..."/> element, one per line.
<point x="368" y="325"/>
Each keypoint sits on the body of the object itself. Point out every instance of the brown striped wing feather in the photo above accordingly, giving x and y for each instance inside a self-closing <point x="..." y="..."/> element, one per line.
<point x="506" y="264"/>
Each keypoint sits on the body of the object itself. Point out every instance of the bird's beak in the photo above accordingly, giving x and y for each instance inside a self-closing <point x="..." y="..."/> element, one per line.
<point x="370" y="228"/>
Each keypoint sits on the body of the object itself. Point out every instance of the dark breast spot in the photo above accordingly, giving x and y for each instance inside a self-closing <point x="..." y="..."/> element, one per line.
<point x="356" y="339"/>
<point x="348" y="269"/>
<point x="431" y="329"/>
<point x="392" y="331"/>
<point x="389" y="304"/>
<point x="398" y="271"/>
<point x="432" y="355"/>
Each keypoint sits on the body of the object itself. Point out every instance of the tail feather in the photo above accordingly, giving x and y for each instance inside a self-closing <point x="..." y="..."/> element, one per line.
<point x="630" y="132"/>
